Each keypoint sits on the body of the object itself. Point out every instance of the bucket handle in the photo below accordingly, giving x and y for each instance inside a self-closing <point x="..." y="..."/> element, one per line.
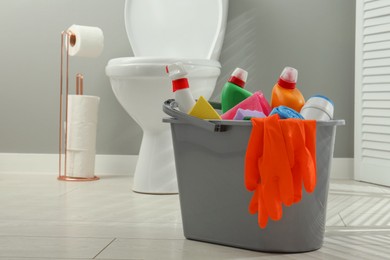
<point x="169" y="109"/>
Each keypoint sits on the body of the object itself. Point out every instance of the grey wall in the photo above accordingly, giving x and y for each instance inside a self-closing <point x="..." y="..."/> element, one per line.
<point x="30" y="60"/>
<point x="263" y="36"/>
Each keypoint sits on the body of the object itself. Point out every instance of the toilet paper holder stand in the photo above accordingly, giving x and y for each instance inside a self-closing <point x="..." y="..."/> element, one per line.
<point x="67" y="39"/>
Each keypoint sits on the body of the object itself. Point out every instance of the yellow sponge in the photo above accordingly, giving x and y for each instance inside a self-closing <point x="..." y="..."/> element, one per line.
<point x="202" y="109"/>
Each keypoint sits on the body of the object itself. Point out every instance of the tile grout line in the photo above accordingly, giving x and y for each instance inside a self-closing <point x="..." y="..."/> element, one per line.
<point x="345" y="225"/>
<point x="67" y="192"/>
<point x="112" y="241"/>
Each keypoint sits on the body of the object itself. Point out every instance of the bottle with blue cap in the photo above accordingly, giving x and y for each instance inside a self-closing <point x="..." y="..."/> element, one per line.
<point x="319" y="108"/>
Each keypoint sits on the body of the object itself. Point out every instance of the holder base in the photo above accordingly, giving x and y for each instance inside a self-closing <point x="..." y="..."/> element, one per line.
<point x="68" y="178"/>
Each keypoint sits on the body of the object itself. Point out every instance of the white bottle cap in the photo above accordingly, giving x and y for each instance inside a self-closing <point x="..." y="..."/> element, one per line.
<point x="239" y="77"/>
<point x="289" y="75"/>
<point x="176" y="71"/>
<point x="178" y="74"/>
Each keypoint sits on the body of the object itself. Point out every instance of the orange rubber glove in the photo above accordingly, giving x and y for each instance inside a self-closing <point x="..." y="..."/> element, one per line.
<point x="275" y="169"/>
<point x="281" y="155"/>
<point x="257" y="205"/>
<point x="254" y="152"/>
<point x="253" y="155"/>
<point x="267" y="170"/>
<point x="310" y="143"/>
<point x="300" y="141"/>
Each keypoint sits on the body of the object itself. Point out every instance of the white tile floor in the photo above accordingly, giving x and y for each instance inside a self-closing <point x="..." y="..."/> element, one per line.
<point x="42" y="218"/>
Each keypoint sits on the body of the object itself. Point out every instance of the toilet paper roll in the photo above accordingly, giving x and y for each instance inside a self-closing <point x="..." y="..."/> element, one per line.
<point x="83" y="108"/>
<point x="81" y="135"/>
<point x="85" y="41"/>
<point x="80" y="163"/>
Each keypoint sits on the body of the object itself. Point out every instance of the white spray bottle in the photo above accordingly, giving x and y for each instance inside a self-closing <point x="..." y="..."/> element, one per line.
<point x="180" y="86"/>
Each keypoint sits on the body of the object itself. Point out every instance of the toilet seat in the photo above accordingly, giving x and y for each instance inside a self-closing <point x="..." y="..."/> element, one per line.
<point x="155" y="66"/>
<point x="198" y="32"/>
<point x="161" y="60"/>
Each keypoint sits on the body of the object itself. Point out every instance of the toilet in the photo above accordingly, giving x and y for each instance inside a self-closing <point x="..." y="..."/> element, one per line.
<point x="161" y="33"/>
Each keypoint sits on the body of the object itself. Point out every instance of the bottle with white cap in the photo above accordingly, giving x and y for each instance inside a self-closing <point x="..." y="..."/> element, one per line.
<point x="285" y="92"/>
<point x="318" y="108"/>
<point x="233" y="91"/>
<point x="180" y="86"/>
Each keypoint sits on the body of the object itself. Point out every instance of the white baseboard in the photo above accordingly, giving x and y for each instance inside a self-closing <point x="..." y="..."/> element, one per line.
<point x="342" y="168"/>
<point x="48" y="163"/>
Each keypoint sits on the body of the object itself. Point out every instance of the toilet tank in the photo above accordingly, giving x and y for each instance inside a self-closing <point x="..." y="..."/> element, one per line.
<point x="192" y="29"/>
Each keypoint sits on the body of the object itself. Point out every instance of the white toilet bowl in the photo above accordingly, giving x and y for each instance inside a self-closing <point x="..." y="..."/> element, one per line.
<point x="133" y="84"/>
<point x="141" y="85"/>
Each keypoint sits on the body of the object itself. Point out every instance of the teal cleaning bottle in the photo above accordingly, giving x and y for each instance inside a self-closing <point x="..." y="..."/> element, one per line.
<point x="233" y="91"/>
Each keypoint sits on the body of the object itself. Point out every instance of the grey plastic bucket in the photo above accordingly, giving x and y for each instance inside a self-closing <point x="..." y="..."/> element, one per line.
<point x="214" y="202"/>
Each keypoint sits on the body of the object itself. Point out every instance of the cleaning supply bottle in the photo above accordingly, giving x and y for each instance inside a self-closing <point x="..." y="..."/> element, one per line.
<point x="285" y="92"/>
<point x="233" y="91"/>
<point x="318" y="107"/>
<point x="180" y="86"/>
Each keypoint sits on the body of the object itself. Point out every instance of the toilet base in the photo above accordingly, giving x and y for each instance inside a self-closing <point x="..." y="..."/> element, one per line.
<point x="155" y="172"/>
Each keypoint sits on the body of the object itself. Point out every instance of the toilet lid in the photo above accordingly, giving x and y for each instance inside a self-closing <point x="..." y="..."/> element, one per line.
<point x="174" y="28"/>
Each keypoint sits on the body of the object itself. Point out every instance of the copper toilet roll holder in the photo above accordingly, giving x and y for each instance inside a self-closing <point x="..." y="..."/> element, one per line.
<point x="70" y="39"/>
